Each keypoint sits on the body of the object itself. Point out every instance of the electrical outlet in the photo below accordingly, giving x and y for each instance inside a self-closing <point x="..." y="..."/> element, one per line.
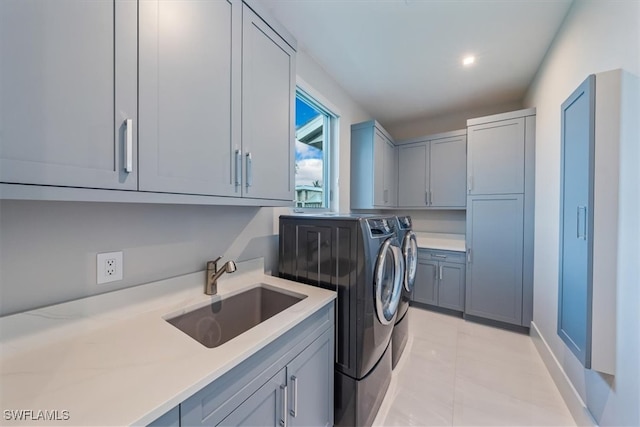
<point x="109" y="267"/>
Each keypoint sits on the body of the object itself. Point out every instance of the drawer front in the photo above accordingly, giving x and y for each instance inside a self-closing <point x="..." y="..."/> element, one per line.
<point x="448" y="256"/>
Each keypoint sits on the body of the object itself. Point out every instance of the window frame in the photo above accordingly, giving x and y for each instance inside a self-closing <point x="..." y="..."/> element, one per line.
<point x="329" y="135"/>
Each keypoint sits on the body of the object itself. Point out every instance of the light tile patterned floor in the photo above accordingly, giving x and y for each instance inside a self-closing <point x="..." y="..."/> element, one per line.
<point x="459" y="373"/>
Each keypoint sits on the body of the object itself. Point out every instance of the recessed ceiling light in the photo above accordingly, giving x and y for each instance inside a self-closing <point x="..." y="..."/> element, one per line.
<point x="468" y="60"/>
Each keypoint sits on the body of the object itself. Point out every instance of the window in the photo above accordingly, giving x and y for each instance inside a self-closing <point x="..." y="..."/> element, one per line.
<point x="313" y="134"/>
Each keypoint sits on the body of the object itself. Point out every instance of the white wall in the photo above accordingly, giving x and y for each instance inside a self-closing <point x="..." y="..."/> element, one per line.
<point x="48" y="249"/>
<point x="596" y="36"/>
<point x="418" y="127"/>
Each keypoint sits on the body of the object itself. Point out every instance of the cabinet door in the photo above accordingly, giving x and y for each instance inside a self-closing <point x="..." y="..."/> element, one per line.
<point x="268" y="94"/>
<point x="448" y="170"/>
<point x="496" y="157"/>
<point x="68" y="83"/>
<point x="390" y="174"/>
<point x="576" y="221"/>
<point x="310" y="384"/>
<point x="451" y="285"/>
<point x="494" y="271"/>
<point x="425" y="288"/>
<point x="413" y="175"/>
<point x="380" y="195"/>
<point x="189" y="81"/>
<point x="265" y="407"/>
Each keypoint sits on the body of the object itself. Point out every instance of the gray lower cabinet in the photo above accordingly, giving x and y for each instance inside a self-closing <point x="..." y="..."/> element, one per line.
<point x="432" y="171"/>
<point x="495" y="263"/>
<point x="440" y="279"/>
<point x="374" y="167"/>
<point x="289" y="382"/>
<point x="68" y="109"/>
<point x="170" y="419"/>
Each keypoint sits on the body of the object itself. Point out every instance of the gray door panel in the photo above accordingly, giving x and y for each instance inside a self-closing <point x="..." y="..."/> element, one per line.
<point x="494" y="275"/>
<point x="425" y="289"/>
<point x="451" y="288"/>
<point x="448" y="172"/>
<point x="496" y="157"/>
<point x="413" y="173"/>
<point x="187" y="140"/>
<point x="576" y="221"/>
<point x="64" y="98"/>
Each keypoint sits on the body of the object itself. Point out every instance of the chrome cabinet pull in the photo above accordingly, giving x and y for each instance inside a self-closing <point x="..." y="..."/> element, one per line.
<point x="128" y="145"/>
<point x="469" y="255"/>
<point x="283" y="417"/>
<point x="439" y="256"/>
<point x="470" y="183"/>
<point x="426" y="198"/>
<point x="294" y="384"/>
<point x="440" y="272"/>
<point x="385" y="196"/>
<point x="430" y="198"/>
<point x="249" y="170"/>
<point x="238" y="166"/>
<point x="583" y="210"/>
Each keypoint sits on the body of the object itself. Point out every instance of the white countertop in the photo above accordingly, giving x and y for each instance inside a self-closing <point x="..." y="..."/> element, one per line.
<point x="441" y="241"/>
<point x="112" y="359"/>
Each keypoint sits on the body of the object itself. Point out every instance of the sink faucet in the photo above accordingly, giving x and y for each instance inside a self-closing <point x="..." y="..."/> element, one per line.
<point x="213" y="274"/>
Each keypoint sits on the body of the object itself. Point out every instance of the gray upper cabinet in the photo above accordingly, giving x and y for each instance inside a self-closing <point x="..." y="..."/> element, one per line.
<point x="496" y="157"/>
<point x="268" y="96"/>
<point x="500" y="206"/>
<point x="68" y="109"/>
<point x="189" y="85"/>
<point x="432" y="171"/>
<point x="374" y="167"/>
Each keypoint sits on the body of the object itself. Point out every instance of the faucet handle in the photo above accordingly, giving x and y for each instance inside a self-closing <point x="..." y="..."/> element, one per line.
<point x="213" y="265"/>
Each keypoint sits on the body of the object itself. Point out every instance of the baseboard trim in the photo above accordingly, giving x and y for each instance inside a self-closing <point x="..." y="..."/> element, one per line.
<point x="574" y="402"/>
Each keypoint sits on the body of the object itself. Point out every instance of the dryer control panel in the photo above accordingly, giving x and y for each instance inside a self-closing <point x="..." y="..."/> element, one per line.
<point x="380" y="227"/>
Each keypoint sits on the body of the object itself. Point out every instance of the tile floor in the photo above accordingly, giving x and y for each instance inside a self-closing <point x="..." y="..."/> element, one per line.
<point x="459" y="373"/>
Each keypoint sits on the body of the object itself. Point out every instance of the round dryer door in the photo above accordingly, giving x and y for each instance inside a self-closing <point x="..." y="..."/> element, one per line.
<point x="410" y="252"/>
<point x="389" y="275"/>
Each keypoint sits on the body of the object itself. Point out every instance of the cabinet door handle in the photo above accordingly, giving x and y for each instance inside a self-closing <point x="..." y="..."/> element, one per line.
<point x="435" y="273"/>
<point x="430" y="197"/>
<point x="583" y="210"/>
<point x="294" y="384"/>
<point x="469" y="183"/>
<point x="440" y="272"/>
<point x="128" y="145"/>
<point x="426" y="198"/>
<point x="469" y="255"/>
<point x="238" y="166"/>
<point x="283" y="417"/>
<point x="385" y="196"/>
<point x="249" y="170"/>
<point x="439" y="256"/>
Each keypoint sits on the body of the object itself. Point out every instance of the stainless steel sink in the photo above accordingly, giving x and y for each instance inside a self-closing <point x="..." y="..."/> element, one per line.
<point x="217" y="323"/>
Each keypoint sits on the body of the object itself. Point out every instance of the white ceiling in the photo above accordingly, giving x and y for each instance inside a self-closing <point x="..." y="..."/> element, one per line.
<point x="402" y="59"/>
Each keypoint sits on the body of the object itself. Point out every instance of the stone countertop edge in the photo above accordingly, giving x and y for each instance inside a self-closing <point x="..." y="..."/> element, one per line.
<point x="441" y="241"/>
<point x="112" y="359"/>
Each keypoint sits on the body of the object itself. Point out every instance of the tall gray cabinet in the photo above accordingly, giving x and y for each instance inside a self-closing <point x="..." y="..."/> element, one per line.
<point x="500" y="195"/>
<point x="68" y="109"/>
<point x="595" y="133"/>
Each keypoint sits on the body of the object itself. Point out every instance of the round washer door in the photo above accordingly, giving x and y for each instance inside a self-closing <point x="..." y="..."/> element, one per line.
<point x="410" y="253"/>
<point x="389" y="274"/>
